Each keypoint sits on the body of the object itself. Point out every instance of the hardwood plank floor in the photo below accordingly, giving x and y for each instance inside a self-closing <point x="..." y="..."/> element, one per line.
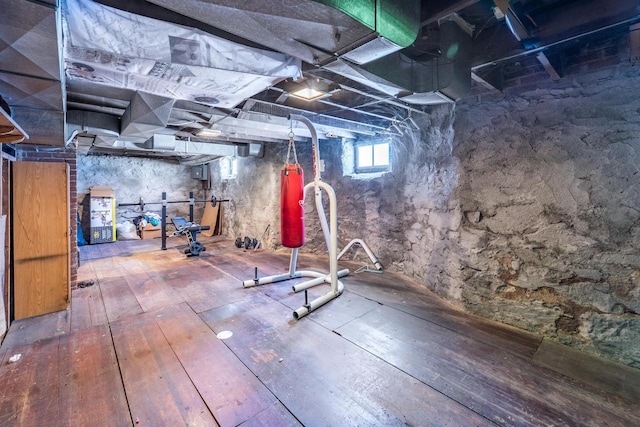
<point x="326" y="380"/>
<point x="90" y="381"/>
<point x="159" y="391"/>
<point x="31" y="386"/>
<point x="233" y="399"/>
<point x="513" y="390"/>
<point x="87" y="308"/>
<point x="139" y="347"/>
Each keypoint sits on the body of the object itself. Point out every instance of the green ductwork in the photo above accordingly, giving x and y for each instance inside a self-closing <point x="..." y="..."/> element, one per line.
<point x="449" y="74"/>
<point x="396" y="21"/>
<point x="398" y="75"/>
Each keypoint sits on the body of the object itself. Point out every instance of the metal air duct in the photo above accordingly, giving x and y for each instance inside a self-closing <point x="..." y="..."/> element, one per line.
<point x="312" y="30"/>
<point x="397" y="74"/>
<point x="146" y="115"/>
<point x="366" y="35"/>
<point x="89" y="127"/>
<point x="395" y="25"/>
<point x="163" y="143"/>
<point x="160" y="142"/>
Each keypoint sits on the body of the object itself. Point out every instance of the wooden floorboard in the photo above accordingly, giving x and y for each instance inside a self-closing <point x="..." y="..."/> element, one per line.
<point x="30" y="392"/>
<point x="233" y="399"/>
<point x="202" y="286"/>
<point x="612" y="377"/>
<point x="119" y="300"/>
<point x="151" y="293"/>
<point x="30" y="330"/>
<point x="242" y="268"/>
<point x="275" y="415"/>
<point x="90" y="385"/>
<point x="344" y="309"/>
<point x="396" y="291"/>
<point x="251" y="298"/>
<point x="139" y="347"/>
<point x="493" y="382"/>
<point x="159" y="391"/>
<point x="87" y="308"/>
<point x="324" y="380"/>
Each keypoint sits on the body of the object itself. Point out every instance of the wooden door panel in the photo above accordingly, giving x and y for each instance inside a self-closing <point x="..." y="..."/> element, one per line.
<point x="40" y="238"/>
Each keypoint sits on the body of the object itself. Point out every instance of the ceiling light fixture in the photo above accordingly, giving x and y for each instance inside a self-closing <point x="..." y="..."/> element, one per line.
<point x="309" y="94"/>
<point x="209" y="133"/>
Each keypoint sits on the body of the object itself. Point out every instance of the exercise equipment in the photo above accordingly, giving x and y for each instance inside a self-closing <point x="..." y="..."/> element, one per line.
<point x="361" y="243"/>
<point x="292" y="206"/>
<point x="264" y="234"/>
<point x="292" y="200"/>
<point x="330" y="232"/>
<point x="213" y="200"/>
<point x="191" y="230"/>
<point x="247" y="242"/>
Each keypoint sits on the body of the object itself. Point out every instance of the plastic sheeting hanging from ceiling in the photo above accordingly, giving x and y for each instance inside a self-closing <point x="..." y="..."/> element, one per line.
<point x="120" y="49"/>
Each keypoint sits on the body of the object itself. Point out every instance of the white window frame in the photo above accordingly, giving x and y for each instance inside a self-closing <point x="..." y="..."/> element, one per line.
<point x="373" y="168"/>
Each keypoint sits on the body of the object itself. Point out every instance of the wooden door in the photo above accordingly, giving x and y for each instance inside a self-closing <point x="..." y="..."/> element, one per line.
<point x="6" y="210"/>
<point x="4" y="277"/>
<point x="40" y="223"/>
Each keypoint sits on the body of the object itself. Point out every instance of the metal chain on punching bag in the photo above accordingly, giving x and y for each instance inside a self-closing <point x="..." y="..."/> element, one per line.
<point x="292" y="144"/>
<point x="292" y="230"/>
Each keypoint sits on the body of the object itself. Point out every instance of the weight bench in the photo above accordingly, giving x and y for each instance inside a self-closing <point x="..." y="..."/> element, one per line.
<point x="190" y="229"/>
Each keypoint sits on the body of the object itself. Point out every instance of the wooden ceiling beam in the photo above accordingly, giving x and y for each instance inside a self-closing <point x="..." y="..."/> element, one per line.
<point x="547" y="66"/>
<point x="438" y="10"/>
<point x="634" y="42"/>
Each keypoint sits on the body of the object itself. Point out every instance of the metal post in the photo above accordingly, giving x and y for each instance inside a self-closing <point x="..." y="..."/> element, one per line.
<point x="191" y="203"/>
<point x="163" y="218"/>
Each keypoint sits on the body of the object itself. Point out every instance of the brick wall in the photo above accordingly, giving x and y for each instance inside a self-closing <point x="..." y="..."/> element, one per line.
<point x="591" y="54"/>
<point x="36" y="153"/>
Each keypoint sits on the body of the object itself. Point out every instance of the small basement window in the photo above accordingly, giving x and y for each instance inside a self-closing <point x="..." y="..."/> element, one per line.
<point x="373" y="157"/>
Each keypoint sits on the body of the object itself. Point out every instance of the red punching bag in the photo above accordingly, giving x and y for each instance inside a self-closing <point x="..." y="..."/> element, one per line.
<point x="292" y="206"/>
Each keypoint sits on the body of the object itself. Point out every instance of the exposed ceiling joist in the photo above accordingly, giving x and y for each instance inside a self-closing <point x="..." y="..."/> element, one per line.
<point x="437" y="10"/>
<point x="560" y="24"/>
<point x="634" y="42"/>
<point x="484" y="83"/>
<point x="547" y="66"/>
<point x="364" y="98"/>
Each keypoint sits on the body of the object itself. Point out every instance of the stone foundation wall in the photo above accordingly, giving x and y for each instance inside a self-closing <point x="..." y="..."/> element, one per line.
<point x="390" y="213"/>
<point x="549" y="191"/>
<point x="529" y="216"/>
<point x="254" y="196"/>
<point x="132" y="178"/>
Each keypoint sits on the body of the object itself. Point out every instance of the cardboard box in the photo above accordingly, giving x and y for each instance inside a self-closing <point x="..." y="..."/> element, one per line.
<point x="102" y="204"/>
<point x="151" y="231"/>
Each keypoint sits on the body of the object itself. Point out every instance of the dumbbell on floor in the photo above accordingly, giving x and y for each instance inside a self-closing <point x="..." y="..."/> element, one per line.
<point x="247" y="242"/>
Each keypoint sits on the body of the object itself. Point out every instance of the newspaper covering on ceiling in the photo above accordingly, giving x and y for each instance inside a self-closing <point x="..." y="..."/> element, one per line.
<point x="108" y="46"/>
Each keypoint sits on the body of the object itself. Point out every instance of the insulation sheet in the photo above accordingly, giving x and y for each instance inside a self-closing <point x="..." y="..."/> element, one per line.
<point x="120" y="49"/>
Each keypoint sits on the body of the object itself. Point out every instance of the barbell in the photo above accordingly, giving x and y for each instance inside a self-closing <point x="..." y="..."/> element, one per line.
<point x="213" y="200"/>
<point x="163" y="218"/>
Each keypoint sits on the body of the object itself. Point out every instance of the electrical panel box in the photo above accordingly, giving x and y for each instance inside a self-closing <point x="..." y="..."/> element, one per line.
<point x="200" y="172"/>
